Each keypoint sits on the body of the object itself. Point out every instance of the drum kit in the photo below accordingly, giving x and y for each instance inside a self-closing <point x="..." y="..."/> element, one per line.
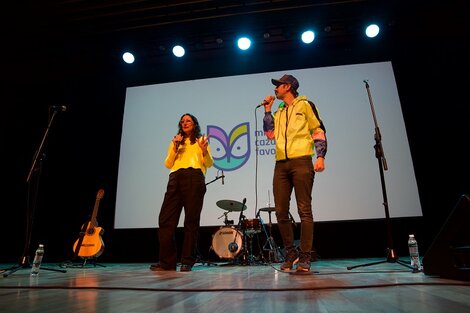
<point x="230" y="241"/>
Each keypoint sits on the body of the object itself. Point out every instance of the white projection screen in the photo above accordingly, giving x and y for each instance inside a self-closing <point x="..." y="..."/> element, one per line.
<point x="349" y="188"/>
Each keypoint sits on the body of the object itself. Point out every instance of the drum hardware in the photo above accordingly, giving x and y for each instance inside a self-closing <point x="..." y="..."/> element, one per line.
<point x="250" y="258"/>
<point x="228" y="242"/>
<point x="200" y="259"/>
<point x="227" y="222"/>
<point x="231" y="205"/>
<point x="244" y="256"/>
<point x="274" y="252"/>
<point x="251" y="226"/>
<point x="231" y="242"/>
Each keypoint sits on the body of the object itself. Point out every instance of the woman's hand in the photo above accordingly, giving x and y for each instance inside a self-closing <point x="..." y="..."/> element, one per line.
<point x="177" y="140"/>
<point x="203" y="142"/>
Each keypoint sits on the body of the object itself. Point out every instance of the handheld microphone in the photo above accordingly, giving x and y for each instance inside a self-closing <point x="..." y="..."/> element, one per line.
<point x="177" y="144"/>
<point x="265" y="102"/>
<point x="223" y="177"/>
<point x="61" y="108"/>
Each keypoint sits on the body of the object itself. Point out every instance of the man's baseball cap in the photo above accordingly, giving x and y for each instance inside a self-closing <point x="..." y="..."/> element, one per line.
<point x="286" y="79"/>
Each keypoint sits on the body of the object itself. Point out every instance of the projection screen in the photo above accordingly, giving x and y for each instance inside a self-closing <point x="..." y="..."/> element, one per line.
<point x="349" y="188"/>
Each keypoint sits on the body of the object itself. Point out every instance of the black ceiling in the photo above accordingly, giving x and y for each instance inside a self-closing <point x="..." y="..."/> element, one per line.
<point x="81" y="18"/>
<point x="77" y="31"/>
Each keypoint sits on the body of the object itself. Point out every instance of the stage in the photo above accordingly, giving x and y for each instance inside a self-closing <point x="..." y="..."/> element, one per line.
<point x="227" y="287"/>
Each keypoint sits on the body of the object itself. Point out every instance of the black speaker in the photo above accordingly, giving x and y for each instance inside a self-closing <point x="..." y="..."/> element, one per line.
<point x="449" y="254"/>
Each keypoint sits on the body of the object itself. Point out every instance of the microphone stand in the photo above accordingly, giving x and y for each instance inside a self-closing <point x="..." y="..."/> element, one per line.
<point x="379" y="154"/>
<point x="36" y="167"/>
<point x="199" y="256"/>
<point x="215" y="179"/>
<point x="256" y="156"/>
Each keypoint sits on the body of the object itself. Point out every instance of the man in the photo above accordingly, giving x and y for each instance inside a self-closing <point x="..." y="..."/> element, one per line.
<point x="297" y="129"/>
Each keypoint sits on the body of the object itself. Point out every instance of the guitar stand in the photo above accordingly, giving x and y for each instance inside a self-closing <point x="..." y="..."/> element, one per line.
<point x="76" y="252"/>
<point x="83" y="264"/>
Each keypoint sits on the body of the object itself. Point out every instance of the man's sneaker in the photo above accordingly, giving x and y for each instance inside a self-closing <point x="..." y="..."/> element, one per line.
<point x="185" y="268"/>
<point x="291" y="259"/>
<point x="304" y="262"/>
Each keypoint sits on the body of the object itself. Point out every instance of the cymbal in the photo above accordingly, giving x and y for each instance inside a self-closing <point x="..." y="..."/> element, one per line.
<point x="231" y="205"/>
<point x="267" y="209"/>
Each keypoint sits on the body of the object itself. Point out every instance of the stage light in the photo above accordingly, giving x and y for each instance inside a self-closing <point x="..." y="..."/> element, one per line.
<point x="308" y="36"/>
<point x="244" y="43"/>
<point x="372" y="30"/>
<point x="178" y="51"/>
<point x="128" y="58"/>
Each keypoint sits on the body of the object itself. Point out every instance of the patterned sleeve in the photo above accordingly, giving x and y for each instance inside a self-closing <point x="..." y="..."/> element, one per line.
<point x="268" y="125"/>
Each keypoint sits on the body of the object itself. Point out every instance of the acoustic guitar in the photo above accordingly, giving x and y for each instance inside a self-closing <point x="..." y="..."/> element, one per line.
<point x="90" y="243"/>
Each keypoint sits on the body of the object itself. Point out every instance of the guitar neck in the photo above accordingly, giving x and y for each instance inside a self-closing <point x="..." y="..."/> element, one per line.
<point x="99" y="196"/>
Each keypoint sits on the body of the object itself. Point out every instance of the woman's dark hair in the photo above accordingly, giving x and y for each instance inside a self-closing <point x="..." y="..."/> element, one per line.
<point x="196" y="133"/>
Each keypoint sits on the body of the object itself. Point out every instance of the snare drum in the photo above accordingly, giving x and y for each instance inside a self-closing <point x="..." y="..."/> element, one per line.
<point x="227" y="242"/>
<point x="251" y="226"/>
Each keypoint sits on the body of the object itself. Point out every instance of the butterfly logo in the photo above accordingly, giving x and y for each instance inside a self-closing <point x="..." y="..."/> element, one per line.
<point x="232" y="151"/>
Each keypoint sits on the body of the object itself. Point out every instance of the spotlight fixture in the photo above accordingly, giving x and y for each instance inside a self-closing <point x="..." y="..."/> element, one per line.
<point x="372" y="30"/>
<point x="128" y="57"/>
<point x="244" y="43"/>
<point x="308" y="36"/>
<point x="178" y="51"/>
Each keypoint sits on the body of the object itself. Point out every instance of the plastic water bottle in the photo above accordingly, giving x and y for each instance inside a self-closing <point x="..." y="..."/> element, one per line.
<point x="37" y="260"/>
<point x="414" y="254"/>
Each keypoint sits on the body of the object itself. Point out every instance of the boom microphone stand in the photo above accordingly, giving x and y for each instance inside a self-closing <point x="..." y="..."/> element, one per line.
<point x="36" y="168"/>
<point x="198" y="253"/>
<point x="379" y="154"/>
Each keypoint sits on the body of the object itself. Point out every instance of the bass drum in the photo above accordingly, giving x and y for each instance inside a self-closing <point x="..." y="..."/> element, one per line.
<point x="227" y="242"/>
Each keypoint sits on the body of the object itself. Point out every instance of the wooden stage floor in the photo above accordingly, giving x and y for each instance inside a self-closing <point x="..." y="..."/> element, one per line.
<point x="209" y="288"/>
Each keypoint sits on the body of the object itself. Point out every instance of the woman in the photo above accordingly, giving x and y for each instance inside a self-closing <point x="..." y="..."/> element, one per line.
<point x="188" y="158"/>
